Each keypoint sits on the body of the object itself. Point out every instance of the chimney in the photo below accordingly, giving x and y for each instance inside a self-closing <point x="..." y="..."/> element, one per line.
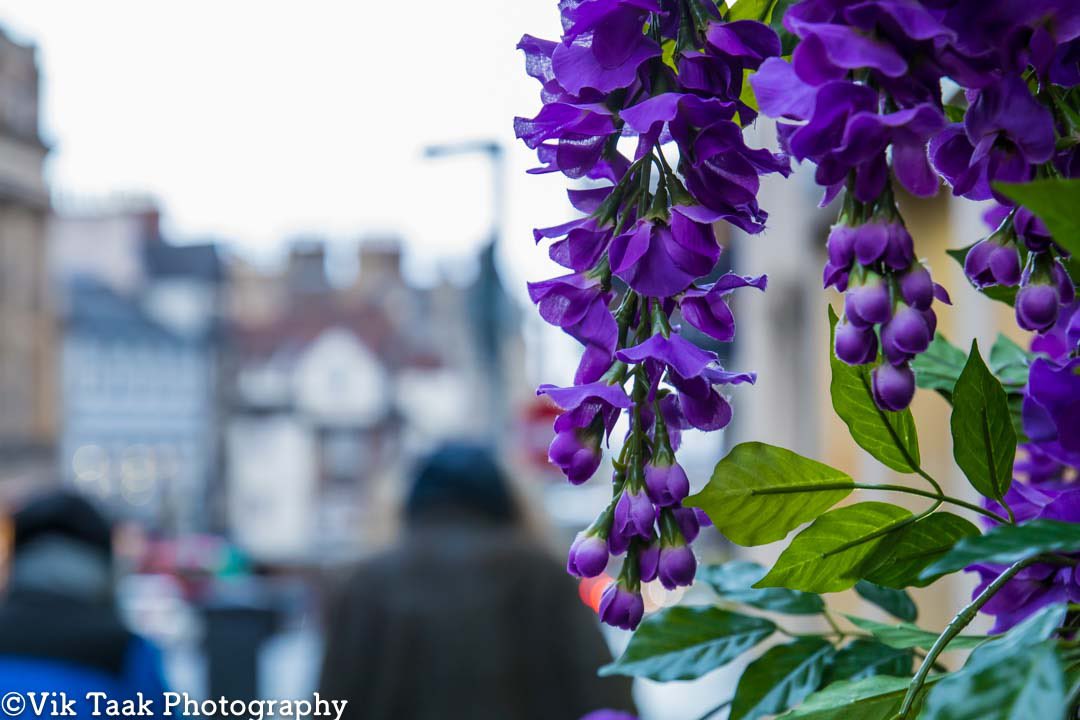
<point x="307" y="267"/>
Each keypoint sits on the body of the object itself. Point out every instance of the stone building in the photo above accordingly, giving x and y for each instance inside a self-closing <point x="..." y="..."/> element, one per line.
<point x="27" y="364"/>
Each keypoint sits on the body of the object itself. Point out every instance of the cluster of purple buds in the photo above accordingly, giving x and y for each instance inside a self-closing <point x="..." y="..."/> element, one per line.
<point x="1017" y="59"/>
<point x="863" y="90"/>
<point x="888" y="294"/>
<point x="673" y="389"/>
<point x="1021" y="239"/>
<point x="664" y="73"/>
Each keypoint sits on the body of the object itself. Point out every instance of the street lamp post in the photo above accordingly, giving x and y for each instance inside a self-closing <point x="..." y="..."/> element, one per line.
<point x="489" y="308"/>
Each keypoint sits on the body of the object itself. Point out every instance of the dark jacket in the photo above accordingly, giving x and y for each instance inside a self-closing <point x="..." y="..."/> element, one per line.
<point x="466" y="619"/>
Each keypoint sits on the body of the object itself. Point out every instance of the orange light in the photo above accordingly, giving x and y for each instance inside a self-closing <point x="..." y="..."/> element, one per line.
<point x="590" y="590"/>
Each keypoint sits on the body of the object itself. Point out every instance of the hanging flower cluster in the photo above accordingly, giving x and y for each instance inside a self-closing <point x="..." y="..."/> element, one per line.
<point x="656" y="74"/>
<point x="1018" y="127"/>
<point x="1010" y="133"/>
<point x="863" y="87"/>
<point x="1046" y="484"/>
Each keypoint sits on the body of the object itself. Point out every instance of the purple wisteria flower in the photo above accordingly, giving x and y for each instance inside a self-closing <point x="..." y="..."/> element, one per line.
<point x="887" y="299"/>
<point x="661" y="74"/>
<point x="720" y="172"/>
<point x="634" y="515"/>
<point x="648" y="558"/>
<point x="665" y="480"/>
<point x="1044" y="288"/>
<point x="661" y="260"/>
<point x="1051" y="408"/>
<point x="855" y="344"/>
<point x="861" y="99"/>
<point x="693" y="373"/>
<point x="1044" y="583"/>
<point x="578" y="304"/>
<point x="1044" y="486"/>
<point x="590" y="412"/>
<point x="608" y="715"/>
<point x="588" y="555"/>
<point x="993" y="261"/>
<point x="622" y="606"/>
<point x="893" y="386"/>
<point x="1005" y="134"/>
<point x="706" y="309"/>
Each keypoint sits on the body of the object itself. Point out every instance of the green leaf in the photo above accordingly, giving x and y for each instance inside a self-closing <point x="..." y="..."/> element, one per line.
<point x="1033" y="630"/>
<point x="747" y="96"/>
<point x="872" y="698"/>
<point x="780" y="678"/>
<point x="895" y="602"/>
<point x="1005" y="295"/>
<point x="830" y="555"/>
<point x="888" y="436"/>
<point x="750" y="10"/>
<point x="862" y="658"/>
<point x="759" y="493"/>
<point x="954" y="113"/>
<point x="1021" y="648"/>
<point x="667" y="54"/>
<point x="683" y="643"/>
<point x="939" y="367"/>
<point x="1006" y="544"/>
<point x="905" y="635"/>
<point x="1010" y="363"/>
<point x="776" y="22"/>
<point x="733" y="581"/>
<point x="984" y="442"/>
<point x="900" y="561"/>
<point x="1030" y="685"/>
<point x="1055" y="202"/>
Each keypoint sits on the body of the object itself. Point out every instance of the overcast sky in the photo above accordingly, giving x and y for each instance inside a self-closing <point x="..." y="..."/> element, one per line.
<point x="256" y="121"/>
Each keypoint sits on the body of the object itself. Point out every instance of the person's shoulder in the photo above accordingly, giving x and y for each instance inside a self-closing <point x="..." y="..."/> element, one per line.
<point x="357" y="577"/>
<point x="144" y="665"/>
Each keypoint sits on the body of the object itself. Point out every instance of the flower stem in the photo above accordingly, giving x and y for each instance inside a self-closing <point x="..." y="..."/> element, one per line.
<point x="885" y="487"/>
<point x="940" y="496"/>
<point x="832" y="623"/>
<point x="958" y="623"/>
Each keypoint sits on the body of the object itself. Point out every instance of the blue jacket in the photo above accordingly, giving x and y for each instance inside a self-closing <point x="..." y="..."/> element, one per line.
<point x="59" y="645"/>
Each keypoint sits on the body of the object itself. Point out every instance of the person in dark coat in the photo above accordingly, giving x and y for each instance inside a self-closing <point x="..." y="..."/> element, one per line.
<point x="466" y="617"/>
<point x="60" y="630"/>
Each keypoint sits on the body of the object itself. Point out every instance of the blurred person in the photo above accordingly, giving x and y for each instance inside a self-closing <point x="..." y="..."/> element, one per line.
<point x="60" y="629"/>
<point x="467" y="616"/>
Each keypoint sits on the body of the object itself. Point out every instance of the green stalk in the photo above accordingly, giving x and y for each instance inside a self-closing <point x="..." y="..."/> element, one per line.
<point x="958" y="623"/>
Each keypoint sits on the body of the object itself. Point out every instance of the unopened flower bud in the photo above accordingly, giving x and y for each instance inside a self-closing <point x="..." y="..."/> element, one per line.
<point x="907" y="334"/>
<point x="993" y="261"/>
<point x="677" y="565"/>
<point x="666" y="481"/>
<point x="855" y="345"/>
<point x="635" y="514"/>
<point x="588" y="555"/>
<point x="893" y="386"/>
<point x="577" y="453"/>
<point x="866" y="301"/>
<point x="621" y="607"/>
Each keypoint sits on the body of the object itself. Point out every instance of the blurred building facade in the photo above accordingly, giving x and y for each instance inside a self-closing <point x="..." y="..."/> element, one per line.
<point x="140" y="334"/>
<point x="335" y="387"/>
<point x="784" y="337"/>
<point x="27" y="353"/>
